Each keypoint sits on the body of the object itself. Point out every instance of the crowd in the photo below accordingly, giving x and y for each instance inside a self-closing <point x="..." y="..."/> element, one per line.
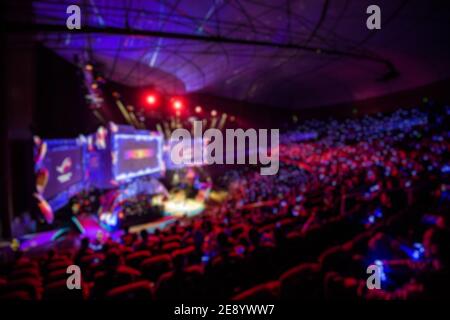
<point x="364" y="191"/>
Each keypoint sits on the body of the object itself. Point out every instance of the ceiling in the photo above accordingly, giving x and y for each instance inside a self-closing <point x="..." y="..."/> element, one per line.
<point x="287" y="53"/>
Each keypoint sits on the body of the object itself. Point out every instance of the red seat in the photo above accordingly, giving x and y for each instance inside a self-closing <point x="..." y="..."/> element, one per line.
<point x="58" y="290"/>
<point x="123" y="275"/>
<point x="61" y="264"/>
<point x="189" y="253"/>
<point x="92" y="259"/>
<point x="173" y="238"/>
<point x="303" y="281"/>
<point x="129" y="271"/>
<point x="16" y="295"/>
<point x="135" y="259"/>
<point x="25" y="263"/>
<point x="57" y="275"/>
<point x="27" y="272"/>
<point x="171" y="246"/>
<point x="189" y="285"/>
<point x="31" y="285"/>
<point x="153" y="267"/>
<point x="141" y="290"/>
<point x="264" y="292"/>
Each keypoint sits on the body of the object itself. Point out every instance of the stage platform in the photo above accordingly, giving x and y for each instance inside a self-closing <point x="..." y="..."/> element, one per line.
<point x="90" y="227"/>
<point x="183" y="208"/>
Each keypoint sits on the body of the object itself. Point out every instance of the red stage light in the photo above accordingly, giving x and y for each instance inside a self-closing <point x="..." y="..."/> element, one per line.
<point x="177" y="104"/>
<point x="151" y="99"/>
<point x="198" y="109"/>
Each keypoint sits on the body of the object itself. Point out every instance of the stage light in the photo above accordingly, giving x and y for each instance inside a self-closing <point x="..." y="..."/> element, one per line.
<point x="94" y="86"/>
<point x="213" y="113"/>
<point x="116" y="95"/>
<point x="89" y="67"/>
<point x="198" y="109"/>
<point x="177" y="104"/>
<point x="151" y="99"/>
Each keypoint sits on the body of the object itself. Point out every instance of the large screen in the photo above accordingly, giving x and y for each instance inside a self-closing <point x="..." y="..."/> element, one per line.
<point x="65" y="169"/>
<point x="136" y="155"/>
<point x="59" y="166"/>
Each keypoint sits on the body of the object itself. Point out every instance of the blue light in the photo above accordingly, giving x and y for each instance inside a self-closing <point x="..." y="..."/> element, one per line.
<point x="380" y="266"/>
<point x="418" y="251"/>
<point x="109" y="219"/>
<point x="445" y="169"/>
<point x="378" y="213"/>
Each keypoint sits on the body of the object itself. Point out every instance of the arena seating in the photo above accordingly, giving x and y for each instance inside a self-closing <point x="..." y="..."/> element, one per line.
<point x="365" y="197"/>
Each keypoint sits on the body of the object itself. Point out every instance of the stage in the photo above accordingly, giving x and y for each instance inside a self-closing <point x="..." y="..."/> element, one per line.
<point x="183" y="208"/>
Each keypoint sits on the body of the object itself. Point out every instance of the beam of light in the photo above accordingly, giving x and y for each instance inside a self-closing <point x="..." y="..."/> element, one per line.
<point x="134" y="120"/>
<point x="173" y="123"/>
<point x="159" y="128"/>
<point x="155" y="53"/>
<point x="124" y="111"/>
<point x="100" y="19"/>
<point x="208" y="15"/>
<point x="223" y="119"/>
<point x="78" y="224"/>
<point x="213" y="122"/>
<point x="98" y="115"/>
<point x="160" y="40"/>
<point x="60" y="232"/>
<point x="68" y="38"/>
<point x="166" y="129"/>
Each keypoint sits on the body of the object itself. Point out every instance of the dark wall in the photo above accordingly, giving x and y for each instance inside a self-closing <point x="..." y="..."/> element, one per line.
<point x="437" y="91"/>
<point x="61" y="109"/>
<point x="42" y="94"/>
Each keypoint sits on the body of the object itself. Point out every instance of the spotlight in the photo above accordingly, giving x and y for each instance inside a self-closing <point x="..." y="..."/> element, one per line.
<point x="89" y="67"/>
<point x="213" y="113"/>
<point x="151" y="99"/>
<point x="198" y="109"/>
<point x="177" y="104"/>
<point x="116" y="95"/>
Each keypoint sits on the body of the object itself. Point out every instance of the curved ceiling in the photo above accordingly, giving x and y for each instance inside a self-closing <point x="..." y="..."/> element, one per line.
<point x="287" y="53"/>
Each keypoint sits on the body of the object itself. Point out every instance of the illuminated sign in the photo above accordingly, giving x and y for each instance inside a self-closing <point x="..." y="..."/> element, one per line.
<point x="136" y="155"/>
